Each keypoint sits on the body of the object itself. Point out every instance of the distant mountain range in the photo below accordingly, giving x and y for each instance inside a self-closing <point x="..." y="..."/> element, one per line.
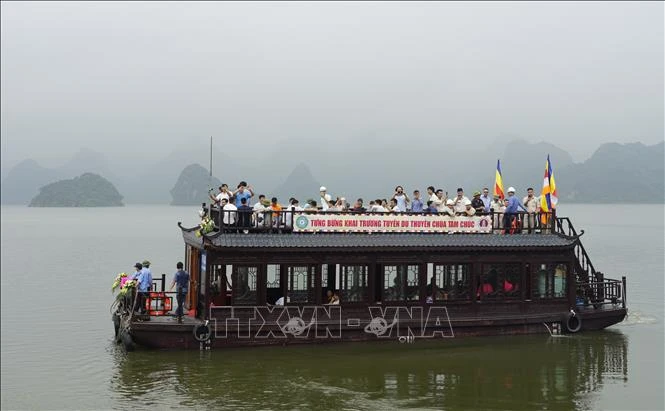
<point x="615" y="173"/>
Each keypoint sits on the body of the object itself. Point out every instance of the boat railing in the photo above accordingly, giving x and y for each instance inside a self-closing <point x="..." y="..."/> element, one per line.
<point x="603" y="292"/>
<point x="271" y="221"/>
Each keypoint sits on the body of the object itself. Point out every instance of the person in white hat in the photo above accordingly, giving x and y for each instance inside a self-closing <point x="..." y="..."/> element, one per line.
<point x="468" y="209"/>
<point x="449" y="209"/>
<point x="325" y="199"/>
<point x="512" y="207"/>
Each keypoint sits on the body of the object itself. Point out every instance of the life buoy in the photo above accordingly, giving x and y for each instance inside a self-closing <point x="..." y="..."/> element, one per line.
<point x="201" y="332"/>
<point x="162" y="302"/>
<point x="573" y="322"/>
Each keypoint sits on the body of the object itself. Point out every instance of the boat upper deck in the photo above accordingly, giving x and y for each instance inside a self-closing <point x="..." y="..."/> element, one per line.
<point x="346" y="231"/>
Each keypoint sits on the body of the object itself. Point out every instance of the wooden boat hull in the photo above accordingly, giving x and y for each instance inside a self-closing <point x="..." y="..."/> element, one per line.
<point x="410" y="327"/>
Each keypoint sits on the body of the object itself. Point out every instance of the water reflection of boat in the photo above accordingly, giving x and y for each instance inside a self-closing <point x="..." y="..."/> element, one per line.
<point x="533" y="372"/>
<point x="268" y="285"/>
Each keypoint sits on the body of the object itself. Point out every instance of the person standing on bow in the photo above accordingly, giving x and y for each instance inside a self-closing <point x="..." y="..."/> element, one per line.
<point x="181" y="279"/>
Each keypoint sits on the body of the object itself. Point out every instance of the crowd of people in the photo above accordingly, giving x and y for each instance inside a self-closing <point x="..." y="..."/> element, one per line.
<point x="435" y="201"/>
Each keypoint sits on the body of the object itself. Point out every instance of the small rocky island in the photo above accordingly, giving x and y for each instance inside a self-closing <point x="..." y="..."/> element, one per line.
<point x="87" y="190"/>
<point x="193" y="185"/>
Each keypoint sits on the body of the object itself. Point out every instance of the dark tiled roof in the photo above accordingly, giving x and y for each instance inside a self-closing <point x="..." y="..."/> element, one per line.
<point x="338" y="240"/>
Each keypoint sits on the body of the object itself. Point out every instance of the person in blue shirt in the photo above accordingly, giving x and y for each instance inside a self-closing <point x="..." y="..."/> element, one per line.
<point x="147" y="273"/>
<point x="487" y="200"/>
<point x="431" y="208"/>
<point x="416" y="203"/>
<point x="181" y="279"/>
<point x="512" y="207"/>
<point x="141" y="288"/>
<point x="243" y="191"/>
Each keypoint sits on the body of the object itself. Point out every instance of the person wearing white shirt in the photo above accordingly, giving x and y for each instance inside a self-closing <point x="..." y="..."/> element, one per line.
<point x="531" y="204"/>
<point x="289" y="216"/>
<point x="439" y="201"/>
<point x="468" y="210"/>
<point x="498" y="207"/>
<point x="401" y="199"/>
<point x="258" y="212"/>
<point x="460" y="201"/>
<point x="325" y="199"/>
<point x="230" y="212"/>
<point x="377" y="207"/>
<point x="449" y="208"/>
<point x="224" y="193"/>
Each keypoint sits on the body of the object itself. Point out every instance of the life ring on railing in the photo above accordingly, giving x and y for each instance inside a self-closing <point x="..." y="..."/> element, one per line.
<point x="202" y="332"/>
<point x="573" y="322"/>
<point x="164" y="303"/>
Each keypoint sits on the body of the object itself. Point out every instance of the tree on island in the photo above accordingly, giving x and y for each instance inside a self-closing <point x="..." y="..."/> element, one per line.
<point x="87" y="190"/>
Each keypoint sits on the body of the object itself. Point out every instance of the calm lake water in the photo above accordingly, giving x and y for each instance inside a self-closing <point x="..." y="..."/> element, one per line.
<point x="58" y="351"/>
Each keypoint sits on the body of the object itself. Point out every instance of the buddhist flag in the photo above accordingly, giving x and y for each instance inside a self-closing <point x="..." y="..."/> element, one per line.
<point x="498" y="181"/>
<point x="549" y="196"/>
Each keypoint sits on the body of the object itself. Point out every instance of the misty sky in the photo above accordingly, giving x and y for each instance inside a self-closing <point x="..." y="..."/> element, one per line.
<point x="142" y="78"/>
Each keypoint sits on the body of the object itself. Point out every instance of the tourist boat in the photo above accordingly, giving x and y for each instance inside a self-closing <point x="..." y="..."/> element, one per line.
<point x="264" y="279"/>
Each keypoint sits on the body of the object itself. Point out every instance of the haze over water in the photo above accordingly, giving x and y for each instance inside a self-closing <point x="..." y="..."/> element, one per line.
<point x="58" y="351"/>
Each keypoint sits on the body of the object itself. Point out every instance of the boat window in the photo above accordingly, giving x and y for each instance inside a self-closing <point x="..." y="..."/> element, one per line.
<point x="244" y="284"/>
<point x="500" y="281"/>
<point x="327" y="282"/>
<point x="451" y="282"/>
<point x="300" y="283"/>
<point x="550" y="281"/>
<point x="273" y="284"/>
<point x="400" y="283"/>
<point x="353" y="284"/>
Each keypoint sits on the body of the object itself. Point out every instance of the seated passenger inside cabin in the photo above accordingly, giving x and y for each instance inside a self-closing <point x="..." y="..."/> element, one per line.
<point x="506" y="286"/>
<point x="459" y="290"/>
<point x="335" y="299"/>
<point x="485" y="287"/>
<point x="431" y="288"/>
<point x="329" y="297"/>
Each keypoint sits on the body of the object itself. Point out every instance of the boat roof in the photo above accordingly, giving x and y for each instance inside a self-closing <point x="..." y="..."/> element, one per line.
<point x="351" y="241"/>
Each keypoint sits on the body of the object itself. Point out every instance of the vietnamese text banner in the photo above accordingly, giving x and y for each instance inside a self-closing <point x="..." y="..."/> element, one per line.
<point x="390" y="223"/>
